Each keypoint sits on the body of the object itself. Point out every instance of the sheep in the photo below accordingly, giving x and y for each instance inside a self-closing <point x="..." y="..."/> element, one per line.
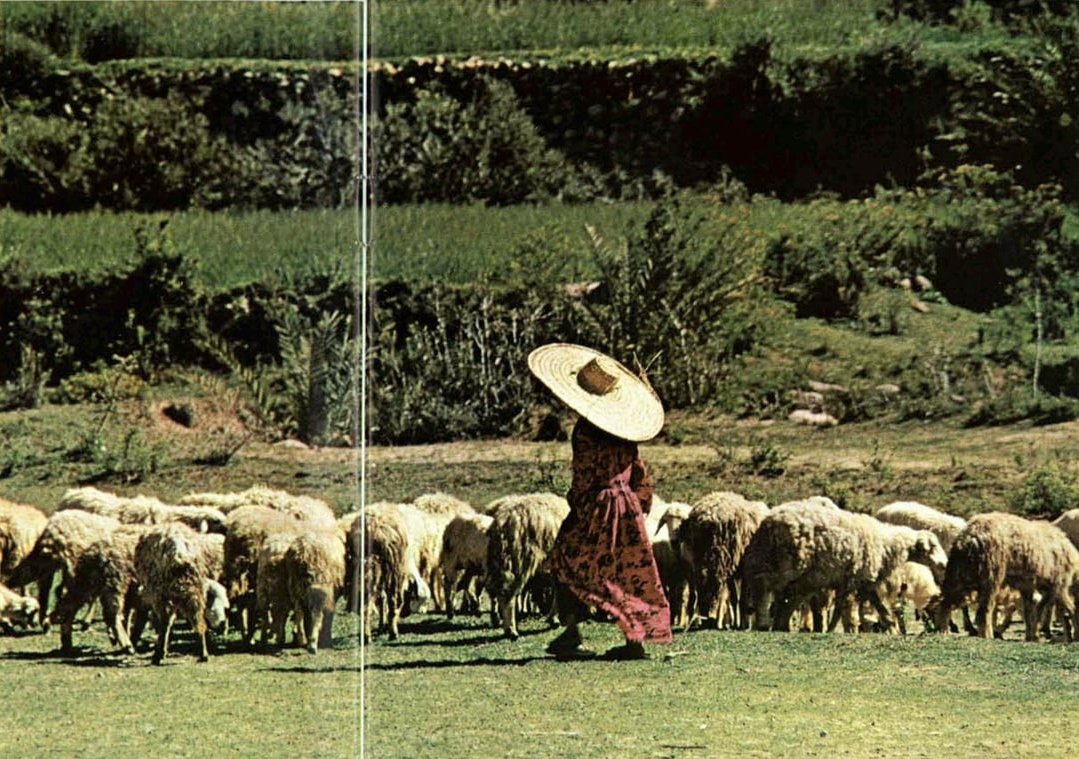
<point x="464" y="556"/>
<point x="802" y="551"/>
<point x="301" y="507"/>
<point x="443" y="505"/>
<point x="424" y="534"/>
<point x="105" y="570"/>
<point x="1069" y="523"/>
<point x="20" y="527"/>
<point x="521" y="535"/>
<point x="385" y="570"/>
<point x="141" y="509"/>
<point x="15" y="609"/>
<point x="910" y="584"/>
<point x="315" y="572"/>
<point x="921" y="517"/>
<point x="663" y="521"/>
<point x="175" y="571"/>
<point x="442" y="508"/>
<point x="66" y="536"/>
<point x="272" y="603"/>
<point x="997" y="550"/>
<point x="246" y="527"/>
<point x="712" y="540"/>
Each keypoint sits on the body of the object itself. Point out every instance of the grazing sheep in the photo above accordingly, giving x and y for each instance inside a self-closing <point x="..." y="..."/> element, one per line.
<point x="464" y="557"/>
<point x="246" y="528"/>
<point x="519" y="539"/>
<point x="105" y="570"/>
<point x="443" y="505"/>
<point x="921" y="517"/>
<point x="272" y="602"/>
<point x="386" y="569"/>
<point x="712" y="540"/>
<point x="20" y="527"/>
<point x="301" y="507"/>
<point x="141" y="509"/>
<point x="911" y="584"/>
<point x="315" y="573"/>
<point x="16" y="610"/>
<point x="997" y="550"/>
<point x="424" y="534"/>
<point x="175" y="571"/>
<point x="803" y="551"/>
<point x="1069" y="523"/>
<point x="66" y="536"/>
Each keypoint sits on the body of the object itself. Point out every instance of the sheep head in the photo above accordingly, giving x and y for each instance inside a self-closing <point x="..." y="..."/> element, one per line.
<point x="217" y="605"/>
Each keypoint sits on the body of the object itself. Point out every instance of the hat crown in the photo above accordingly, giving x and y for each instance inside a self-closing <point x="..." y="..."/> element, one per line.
<point x="594" y="379"/>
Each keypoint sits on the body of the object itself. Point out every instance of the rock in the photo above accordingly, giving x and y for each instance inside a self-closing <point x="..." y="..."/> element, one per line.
<point x="292" y="444"/>
<point x="922" y="283"/>
<point x="806" y="398"/>
<point x="813" y="419"/>
<point x="920" y="307"/>
<point x="824" y="387"/>
<point x="888" y="389"/>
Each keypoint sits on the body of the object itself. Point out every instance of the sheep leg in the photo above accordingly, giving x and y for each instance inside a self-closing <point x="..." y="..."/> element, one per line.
<point x="200" y="629"/>
<point x="299" y="626"/>
<point x="1033" y="613"/>
<point x="983" y="618"/>
<point x="161" y="645"/>
<point x="883" y="612"/>
<point x="450" y="582"/>
<point x="507" y="610"/>
<point x="44" y="589"/>
<point x="114" y="620"/>
<point x="66" y="609"/>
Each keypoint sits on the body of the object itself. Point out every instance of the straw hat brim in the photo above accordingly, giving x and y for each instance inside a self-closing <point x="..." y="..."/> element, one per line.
<point x="630" y="409"/>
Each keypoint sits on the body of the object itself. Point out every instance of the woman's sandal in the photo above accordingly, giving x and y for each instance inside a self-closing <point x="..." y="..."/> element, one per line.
<point x="567" y="647"/>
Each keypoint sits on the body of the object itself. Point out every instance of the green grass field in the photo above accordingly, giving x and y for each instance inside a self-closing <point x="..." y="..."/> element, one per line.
<point x="457" y="690"/>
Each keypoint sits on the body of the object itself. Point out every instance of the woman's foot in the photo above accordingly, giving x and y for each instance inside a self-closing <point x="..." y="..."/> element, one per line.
<point x="568" y="646"/>
<point x="628" y="651"/>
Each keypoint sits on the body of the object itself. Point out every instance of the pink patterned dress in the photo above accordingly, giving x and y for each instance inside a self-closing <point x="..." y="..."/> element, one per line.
<point x="602" y="553"/>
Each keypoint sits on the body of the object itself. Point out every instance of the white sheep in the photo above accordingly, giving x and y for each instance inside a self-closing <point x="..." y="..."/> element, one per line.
<point x="712" y="541"/>
<point x="464" y="557"/>
<point x="802" y="552"/>
<point x="66" y="536"/>
<point x="141" y="509"/>
<point x="20" y="527"/>
<point x="521" y="535"/>
<point x="175" y="570"/>
<point x="997" y="550"/>
<point x="315" y="574"/>
<point x="424" y="534"/>
<point x="15" y="609"/>
<point x="1069" y="523"/>
<point x="386" y="573"/>
<point x="921" y="517"/>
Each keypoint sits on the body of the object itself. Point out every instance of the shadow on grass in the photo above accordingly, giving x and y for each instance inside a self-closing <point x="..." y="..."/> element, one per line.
<point x="446" y="663"/>
<point x="79" y="657"/>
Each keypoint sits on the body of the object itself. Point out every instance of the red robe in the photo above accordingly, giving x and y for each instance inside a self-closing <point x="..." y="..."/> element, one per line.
<point x="602" y="553"/>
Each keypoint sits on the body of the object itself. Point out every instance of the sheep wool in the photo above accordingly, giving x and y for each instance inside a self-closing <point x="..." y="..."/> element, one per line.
<point x="20" y="527"/>
<point x="464" y="556"/>
<point x="921" y="517"/>
<point x="522" y="533"/>
<point x="998" y="549"/>
<point x="386" y="571"/>
<point x="315" y="572"/>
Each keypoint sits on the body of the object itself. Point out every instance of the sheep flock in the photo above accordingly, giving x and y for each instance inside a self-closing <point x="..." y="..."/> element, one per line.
<point x="256" y="559"/>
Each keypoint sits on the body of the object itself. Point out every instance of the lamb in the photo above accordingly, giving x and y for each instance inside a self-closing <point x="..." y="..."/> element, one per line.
<point x="16" y="610"/>
<point x="910" y="584"/>
<point x="175" y="570"/>
<point x="521" y="535"/>
<point x="141" y="509"/>
<point x="386" y="570"/>
<point x="997" y="550"/>
<point x="20" y="527"/>
<point x="106" y="570"/>
<point x="712" y="540"/>
<point x="464" y="556"/>
<point x="315" y="573"/>
<point x="66" y="537"/>
<point x="1069" y="523"/>
<point x="300" y="507"/>
<point x="802" y="551"/>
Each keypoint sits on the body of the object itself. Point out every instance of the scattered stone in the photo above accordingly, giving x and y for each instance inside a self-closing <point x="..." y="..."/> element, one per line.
<point x="825" y="387"/>
<point x="920" y="307"/>
<point x="580" y="289"/>
<point x="905" y="283"/>
<point x="806" y="398"/>
<point x="922" y="283"/>
<point x="292" y="444"/>
<point x="813" y="419"/>
<point x="888" y="389"/>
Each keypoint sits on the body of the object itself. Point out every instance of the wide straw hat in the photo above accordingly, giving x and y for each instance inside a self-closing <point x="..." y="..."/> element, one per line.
<point x="600" y="389"/>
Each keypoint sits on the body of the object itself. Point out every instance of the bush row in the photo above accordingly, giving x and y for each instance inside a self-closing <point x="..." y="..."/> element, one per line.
<point x="166" y="134"/>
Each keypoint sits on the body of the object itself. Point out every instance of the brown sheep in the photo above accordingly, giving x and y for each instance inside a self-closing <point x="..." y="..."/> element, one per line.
<point x="272" y="602"/>
<point x="174" y="569"/>
<point x="712" y="540"/>
<point x="521" y="535"/>
<point x="20" y="527"/>
<point x="315" y="572"/>
<point x="66" y="536"/>
<point x="1069" y="523"/>
<point x="997" y="550"/>
<point x="464" y="557"/>
<point x="385" y="570"/>
<point x="141" y="509"/>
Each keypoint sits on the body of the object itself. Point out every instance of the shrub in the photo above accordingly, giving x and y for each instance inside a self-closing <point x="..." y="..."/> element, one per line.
<point x="436" y="148"/>
<point x="1046" y="493"/>
<point x="26" y="65"/>
<point x="37" y="172"/>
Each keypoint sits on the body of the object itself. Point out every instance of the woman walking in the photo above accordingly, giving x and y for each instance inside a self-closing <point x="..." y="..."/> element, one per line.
<point x="602" y="556"/>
